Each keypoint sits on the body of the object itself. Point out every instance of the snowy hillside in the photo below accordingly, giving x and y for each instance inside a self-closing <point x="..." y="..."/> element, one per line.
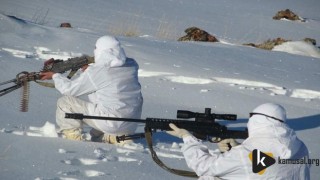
<point x="226" y="76"/>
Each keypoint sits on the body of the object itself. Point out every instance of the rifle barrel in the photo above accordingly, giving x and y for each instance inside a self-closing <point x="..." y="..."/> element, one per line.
<point x="10" y="81"/>
<point x="9" y="89"/>
<point x="81" y="117"/>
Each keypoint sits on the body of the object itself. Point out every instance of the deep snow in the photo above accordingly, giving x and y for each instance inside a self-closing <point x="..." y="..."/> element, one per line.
<point x="226" y="76"/>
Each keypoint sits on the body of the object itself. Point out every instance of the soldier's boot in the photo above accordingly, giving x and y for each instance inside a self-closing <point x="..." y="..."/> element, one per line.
<point x="73" y="134"/>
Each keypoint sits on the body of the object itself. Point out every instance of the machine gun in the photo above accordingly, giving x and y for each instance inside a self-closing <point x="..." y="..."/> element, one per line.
<point x="204" y="127"/>
<point x="58" y="66"/>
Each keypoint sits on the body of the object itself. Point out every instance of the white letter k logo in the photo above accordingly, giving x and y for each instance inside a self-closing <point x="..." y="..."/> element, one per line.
<point x="260" y="160"/>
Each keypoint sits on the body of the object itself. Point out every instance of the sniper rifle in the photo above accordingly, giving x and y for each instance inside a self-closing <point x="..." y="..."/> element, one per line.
<point x="204" y="127"/>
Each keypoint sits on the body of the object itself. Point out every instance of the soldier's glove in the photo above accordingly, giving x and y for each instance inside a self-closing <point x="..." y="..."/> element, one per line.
<point x="227" y="144"/>
<point x="180" y="133"/>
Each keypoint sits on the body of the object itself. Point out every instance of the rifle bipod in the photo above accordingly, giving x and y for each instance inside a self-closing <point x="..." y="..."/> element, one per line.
<point x="128" y="137"/>
<point x="22" y="80"/>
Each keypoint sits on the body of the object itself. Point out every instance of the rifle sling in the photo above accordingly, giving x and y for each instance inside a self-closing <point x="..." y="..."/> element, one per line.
<point x="155" y="158"/>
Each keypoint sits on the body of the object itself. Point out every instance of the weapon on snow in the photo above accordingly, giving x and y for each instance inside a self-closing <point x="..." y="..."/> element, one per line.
<point x="204" y="127"/>
<point x="58" y="66"/>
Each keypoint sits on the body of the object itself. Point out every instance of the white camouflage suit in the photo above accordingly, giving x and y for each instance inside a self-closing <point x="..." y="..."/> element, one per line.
<point x="113" y="90"/>
<point x="265" y="134"/>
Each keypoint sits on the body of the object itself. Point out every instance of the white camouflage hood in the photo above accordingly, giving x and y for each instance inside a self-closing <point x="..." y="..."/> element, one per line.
<point x="108" y="52"/>
<point x="260" y="126"/>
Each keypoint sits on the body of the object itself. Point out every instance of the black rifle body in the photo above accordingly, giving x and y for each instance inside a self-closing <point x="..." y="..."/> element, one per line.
<point x="209" y="129"/>
<point x="73" y="64"/>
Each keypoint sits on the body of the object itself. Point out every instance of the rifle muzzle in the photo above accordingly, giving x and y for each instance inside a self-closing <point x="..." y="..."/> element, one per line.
<point x="74" y="116"/>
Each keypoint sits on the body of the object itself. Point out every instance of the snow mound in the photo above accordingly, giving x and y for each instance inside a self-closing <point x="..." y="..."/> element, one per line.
<point x="299" y="47"/>
<point x="48" y="130"/>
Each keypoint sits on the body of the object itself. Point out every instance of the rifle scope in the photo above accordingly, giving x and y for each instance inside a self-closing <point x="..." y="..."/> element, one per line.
<point x="206" y="115"/>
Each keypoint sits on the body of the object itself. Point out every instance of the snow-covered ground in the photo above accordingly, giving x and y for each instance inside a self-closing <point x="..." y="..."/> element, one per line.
<point x="227" y="76"/>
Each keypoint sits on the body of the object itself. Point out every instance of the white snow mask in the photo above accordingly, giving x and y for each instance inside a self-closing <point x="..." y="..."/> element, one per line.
<point x="266" y="115"/>
<point x="108" y="52"/>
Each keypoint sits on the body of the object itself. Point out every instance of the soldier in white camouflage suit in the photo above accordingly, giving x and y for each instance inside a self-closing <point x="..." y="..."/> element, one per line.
<point x="112" y="87"/>
<point x="268" y="132"/>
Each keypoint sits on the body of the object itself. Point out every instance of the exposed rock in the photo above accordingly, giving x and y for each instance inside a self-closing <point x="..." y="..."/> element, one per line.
<point x="311" y="41"/>
<point x="287" y="14"/>
<point x="65" y="25"/>
<point x="196" y="34"/>
<point x="269" y="44"/>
